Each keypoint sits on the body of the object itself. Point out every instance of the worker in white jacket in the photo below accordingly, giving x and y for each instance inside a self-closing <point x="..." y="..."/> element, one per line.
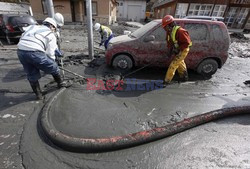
<point x="36" y="51"/>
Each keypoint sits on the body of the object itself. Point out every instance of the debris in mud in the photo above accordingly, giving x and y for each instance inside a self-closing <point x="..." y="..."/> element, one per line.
<point x="80" y="59"/>
<point x="96" y="62"/>
<point x="79" y="56"/>
<point x="247" y="82"/>
<point x="238" y="36"/>
<point x="3" y="61"/>
<point x="239" y="49"/>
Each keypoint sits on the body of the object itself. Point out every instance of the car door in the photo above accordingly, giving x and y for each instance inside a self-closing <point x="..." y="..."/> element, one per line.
<point x="200" y="37"/>
<point x="220" y="42"/>
<point x="155" y="51"/>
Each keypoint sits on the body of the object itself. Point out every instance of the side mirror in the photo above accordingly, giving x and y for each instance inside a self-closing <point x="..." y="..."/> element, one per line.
<point x="149" y="38"/>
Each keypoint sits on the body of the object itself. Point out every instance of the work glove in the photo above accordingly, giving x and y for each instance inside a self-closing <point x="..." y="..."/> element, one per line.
<point x="58" y="53"/>
<point x="175" y="51"/>
<point x="169" y="52"/>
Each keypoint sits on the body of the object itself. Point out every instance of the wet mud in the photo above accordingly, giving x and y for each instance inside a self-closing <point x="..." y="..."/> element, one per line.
<point x="89" y="113"/>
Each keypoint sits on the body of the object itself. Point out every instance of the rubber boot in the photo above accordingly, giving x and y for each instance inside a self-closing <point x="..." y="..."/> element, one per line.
<point x="184" y="77"/>
<point x="37" y="90"/>
<point x="59" y="81"/>
<point x="166" y="83"/>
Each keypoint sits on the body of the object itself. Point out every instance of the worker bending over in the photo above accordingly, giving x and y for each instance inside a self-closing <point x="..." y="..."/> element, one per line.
<point x="178" y="41"/>
<point x="36" y="51"/>
<point x="106" y="34"/>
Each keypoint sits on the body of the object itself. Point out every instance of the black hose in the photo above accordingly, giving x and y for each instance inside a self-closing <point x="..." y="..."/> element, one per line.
<point x="118" y="142"/>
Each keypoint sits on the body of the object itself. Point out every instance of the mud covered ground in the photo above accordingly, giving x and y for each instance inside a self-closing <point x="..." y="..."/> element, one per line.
<point x="221" y="144"/>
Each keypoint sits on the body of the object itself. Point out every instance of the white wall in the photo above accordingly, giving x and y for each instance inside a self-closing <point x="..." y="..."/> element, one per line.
<point x="122" y="11"/>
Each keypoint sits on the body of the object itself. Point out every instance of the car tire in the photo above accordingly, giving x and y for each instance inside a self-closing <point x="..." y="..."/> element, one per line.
<point x="207" y="67"/>
<point x="122" y="62"/>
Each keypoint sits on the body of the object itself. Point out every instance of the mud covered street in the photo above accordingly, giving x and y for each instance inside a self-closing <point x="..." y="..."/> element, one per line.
<point x="94" y="114"/>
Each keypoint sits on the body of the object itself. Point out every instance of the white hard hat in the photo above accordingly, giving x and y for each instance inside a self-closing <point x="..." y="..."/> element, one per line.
<point x="97" y="26"/>
<point x="50" y="21"/>
<point x="59" y="19"/>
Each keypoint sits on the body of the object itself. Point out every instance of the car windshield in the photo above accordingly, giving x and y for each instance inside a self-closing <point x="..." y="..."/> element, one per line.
<point x="141" y="31"/>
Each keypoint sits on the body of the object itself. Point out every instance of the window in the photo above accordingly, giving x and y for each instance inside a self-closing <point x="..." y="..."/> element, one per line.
<point x="121" y="4"/>
<point x="197" y="31"/>
<point x="230" y="16"/>
<point x="162" y="12"/>
<point x="94" y="8"/>
<point x="200" y="10"/>
<point x="44" y="6"/>
<point x="181" y="10"/>
<point x="160" y="34"/>
<point x="242" y="15"/>
<point x="219" y="10"/>
<point x="217" y="32"/>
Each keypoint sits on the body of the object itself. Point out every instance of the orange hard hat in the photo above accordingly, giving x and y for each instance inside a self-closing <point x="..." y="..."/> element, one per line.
<point x="167" y="20"/>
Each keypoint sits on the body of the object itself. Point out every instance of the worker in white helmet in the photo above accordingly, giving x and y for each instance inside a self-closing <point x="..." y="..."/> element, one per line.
<point x="58" y="17"/>
<point x="36" y="51"/>
<point x="106" y="34"/>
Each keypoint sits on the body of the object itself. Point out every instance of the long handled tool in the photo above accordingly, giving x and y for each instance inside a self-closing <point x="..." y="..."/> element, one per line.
<point x="60" y="60"/>
<point x="73" y="73"/>
<point x="137" y="70"/>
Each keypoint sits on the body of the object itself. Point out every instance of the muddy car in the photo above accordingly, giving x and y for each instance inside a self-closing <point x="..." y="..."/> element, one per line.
<point x="148" y="45"/>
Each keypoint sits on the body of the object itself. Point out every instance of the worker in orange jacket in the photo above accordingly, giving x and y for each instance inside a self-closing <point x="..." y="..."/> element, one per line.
<point x="179" y="42"/>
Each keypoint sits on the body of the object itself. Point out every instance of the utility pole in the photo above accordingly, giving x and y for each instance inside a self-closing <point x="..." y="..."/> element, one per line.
<point x="90" y="29"/>
<point x="50" y="8"/>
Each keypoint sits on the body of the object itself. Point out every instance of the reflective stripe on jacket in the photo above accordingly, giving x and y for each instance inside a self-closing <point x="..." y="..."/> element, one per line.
<point x="105" y="32"/>
<point x="173" y="39"/>
<point x="39" y="38"/>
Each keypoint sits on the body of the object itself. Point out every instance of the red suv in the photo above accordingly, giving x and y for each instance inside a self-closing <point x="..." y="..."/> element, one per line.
<point x="148" y="45"/>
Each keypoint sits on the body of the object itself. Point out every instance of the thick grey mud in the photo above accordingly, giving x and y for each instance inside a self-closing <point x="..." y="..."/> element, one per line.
<point x="89" y="113"/>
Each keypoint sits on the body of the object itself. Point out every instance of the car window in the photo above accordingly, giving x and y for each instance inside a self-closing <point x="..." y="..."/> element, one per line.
<point x="217" y="32"/>
<point x="22" y="20"/>
<point x="141" y="31"/>
<point x="197" y="31"/>
<point x="160" y="34"/>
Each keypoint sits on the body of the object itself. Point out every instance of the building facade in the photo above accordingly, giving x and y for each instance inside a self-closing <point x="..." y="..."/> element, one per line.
<point x="133" y="10"/>
<point x="104" y="11"/>
<point x="235" y="12"/>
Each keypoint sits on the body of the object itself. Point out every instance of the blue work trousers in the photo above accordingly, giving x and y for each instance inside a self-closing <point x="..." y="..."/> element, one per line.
<point x="34" y="61"/>
<point x="107" y="41"/>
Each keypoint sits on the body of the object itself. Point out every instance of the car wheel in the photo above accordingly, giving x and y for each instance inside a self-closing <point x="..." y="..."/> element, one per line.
<point x="123" y="62"/>
<point x="207" y="67"/>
